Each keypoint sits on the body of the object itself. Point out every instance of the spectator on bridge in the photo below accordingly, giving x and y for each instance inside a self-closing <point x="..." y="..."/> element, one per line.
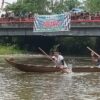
<point x="11" y="15"/>
<point x="30" y="15"/>
<point x="3" y="16"/>
<point x="7" y="14"/>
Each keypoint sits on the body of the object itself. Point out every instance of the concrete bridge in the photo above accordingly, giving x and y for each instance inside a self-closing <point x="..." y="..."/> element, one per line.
<point x="77" y="29"/>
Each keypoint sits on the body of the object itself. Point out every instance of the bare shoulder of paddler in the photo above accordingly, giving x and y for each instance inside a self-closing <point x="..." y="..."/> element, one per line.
<point x="94" y="57"/>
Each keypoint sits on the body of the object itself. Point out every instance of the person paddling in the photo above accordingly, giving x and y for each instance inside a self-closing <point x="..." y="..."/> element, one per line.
<point x="95" y="59"/>
<point x="59" y="61"/>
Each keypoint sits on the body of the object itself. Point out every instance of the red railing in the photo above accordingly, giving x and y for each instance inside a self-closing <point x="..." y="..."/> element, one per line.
<point x="31" y="20"/>
<point x="16" y="20"/>
<point x="85" y="21"/>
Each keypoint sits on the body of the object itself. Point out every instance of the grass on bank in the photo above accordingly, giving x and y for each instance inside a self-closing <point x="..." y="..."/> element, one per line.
<point x="10" y="49"/>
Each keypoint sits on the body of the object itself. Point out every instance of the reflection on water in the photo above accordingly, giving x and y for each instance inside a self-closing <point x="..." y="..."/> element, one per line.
<point x="17" y="85"/>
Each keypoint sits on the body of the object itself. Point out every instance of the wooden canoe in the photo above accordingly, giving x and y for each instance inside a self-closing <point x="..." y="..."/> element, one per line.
<point x="42" y="69"/>
<point x="32" y="68"/>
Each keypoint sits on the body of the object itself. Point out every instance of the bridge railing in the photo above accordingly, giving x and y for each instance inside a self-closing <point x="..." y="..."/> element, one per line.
<point x="31" y="20"/>
<point x="28" y="22"/>
<point x="16" y="20"/>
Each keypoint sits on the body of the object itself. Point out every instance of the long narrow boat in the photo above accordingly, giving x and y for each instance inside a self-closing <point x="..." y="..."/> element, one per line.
<point x="42" y="69"/>
<point x="32" y="68"/>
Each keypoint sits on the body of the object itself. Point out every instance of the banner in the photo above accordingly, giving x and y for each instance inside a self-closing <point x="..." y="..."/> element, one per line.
<point x="52" y="23"/>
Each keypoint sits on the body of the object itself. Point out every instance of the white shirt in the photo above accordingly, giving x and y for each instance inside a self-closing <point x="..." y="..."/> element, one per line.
<point x="58" y="60"/>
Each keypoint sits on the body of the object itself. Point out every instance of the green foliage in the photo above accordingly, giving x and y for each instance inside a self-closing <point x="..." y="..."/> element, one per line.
<point x="64" y="5"/>
<point x="71" y="4"/>
<point x="35" y="6"/>
<point x="92" y="5"/>
<point x="42" y="6"/>
<point x="75" y="45"/>
<point x="30" y="44"/>
<point x="7" y="49"/>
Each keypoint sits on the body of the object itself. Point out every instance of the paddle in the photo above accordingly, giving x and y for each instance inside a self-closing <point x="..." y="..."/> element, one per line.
<point x="46" y="55"/>
<point x="93" y="51"/>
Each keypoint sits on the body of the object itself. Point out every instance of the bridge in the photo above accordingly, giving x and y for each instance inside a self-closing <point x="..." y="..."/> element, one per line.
<point x="25" y="28"/>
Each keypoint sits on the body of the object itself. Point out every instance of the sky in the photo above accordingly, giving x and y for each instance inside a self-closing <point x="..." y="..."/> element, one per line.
<point x="10" y="1"/>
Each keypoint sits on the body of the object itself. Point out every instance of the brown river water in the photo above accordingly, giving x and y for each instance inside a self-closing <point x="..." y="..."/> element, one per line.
<point x="18" y="85"/>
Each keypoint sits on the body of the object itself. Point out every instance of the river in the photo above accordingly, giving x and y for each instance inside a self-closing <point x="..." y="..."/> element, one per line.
<point x="18" y="85"/>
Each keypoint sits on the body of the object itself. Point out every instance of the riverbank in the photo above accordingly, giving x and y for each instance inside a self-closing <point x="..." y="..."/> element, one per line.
<point x="13" y="50"/>
<point x="8" y="49"/>
<point x="39" y="56"/>
<point x="22" y="56"/>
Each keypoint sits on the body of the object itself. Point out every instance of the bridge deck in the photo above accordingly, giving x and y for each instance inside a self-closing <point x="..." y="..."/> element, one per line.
<point x="25" y="27"/>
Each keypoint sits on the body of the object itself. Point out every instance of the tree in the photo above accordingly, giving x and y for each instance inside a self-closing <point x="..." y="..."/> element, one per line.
<point x="43" y="6"/>
<point x="75" y="45"/>
<point x="35" y="6"/>
<point x="71" y="4"/>
<point x="92" y="5"/>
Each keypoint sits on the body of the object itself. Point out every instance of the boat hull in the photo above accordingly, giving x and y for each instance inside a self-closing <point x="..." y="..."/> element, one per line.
<point x="85" y="69"/>
<point x="32" y="68"/>
<point x="43" y="69"/>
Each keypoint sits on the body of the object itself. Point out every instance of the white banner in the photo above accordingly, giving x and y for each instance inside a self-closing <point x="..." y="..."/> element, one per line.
<point x="52" y="23"/>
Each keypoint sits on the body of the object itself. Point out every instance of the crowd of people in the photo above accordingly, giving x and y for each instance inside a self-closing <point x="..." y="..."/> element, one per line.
<point x="85" y="16"/>
<point x="29" y="16"/>
<point x="11" y="16"/>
